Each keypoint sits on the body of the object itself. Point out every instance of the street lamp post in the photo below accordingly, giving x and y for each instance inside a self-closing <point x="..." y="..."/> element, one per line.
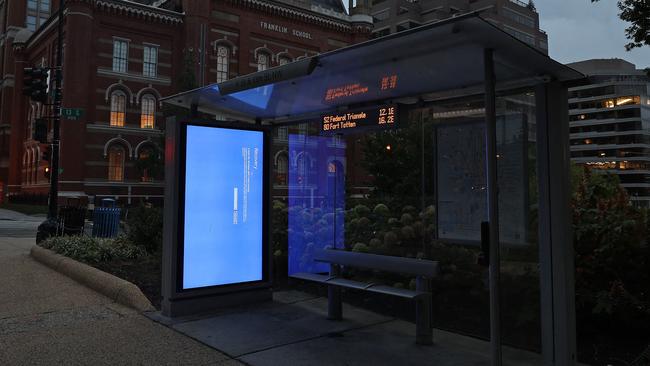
<point x="49" y="226"/>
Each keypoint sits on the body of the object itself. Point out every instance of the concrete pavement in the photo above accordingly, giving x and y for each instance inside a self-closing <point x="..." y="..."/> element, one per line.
<point x="49" y="319"/>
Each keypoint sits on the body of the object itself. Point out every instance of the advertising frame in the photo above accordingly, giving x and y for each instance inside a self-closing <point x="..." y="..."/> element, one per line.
<point x="178" y="301"/>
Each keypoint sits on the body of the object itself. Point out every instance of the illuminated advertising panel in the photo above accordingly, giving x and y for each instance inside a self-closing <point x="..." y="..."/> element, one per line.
<point x="223" y="207"/>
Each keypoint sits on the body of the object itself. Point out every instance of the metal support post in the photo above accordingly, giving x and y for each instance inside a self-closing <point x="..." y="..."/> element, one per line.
<point x="49" y="226"/>
<point x="423" y="313"/>
<point x="493" y="206"/>
<point x="334" y="303"/>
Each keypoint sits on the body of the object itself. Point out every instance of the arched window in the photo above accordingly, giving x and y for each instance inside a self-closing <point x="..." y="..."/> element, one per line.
<point x="27" y="160"/>
<point x="284" y="60"/>
<point x="303" y="164"/>
<point x="148" y="112"/>
<point x="116" y="163"/>
<point x="35" y="163"/>
<point x="282" y="169"/>
<point x="263" y="61"/>
<point x="144" y="157"/>
<point x="223" y="63"/>
<point x="118" y="108"/>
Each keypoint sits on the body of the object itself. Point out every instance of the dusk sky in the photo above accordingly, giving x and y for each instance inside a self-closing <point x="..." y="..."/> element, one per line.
<point x="579" y="30"/>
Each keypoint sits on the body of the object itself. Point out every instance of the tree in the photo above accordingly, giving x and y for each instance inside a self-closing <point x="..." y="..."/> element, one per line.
<point x="394" y="159"/>
<point x="612" y="255"/>
<point x="637" y="13"/>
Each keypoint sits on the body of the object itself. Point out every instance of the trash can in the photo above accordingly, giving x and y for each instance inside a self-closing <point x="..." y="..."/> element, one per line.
<point x="106" y="219"/>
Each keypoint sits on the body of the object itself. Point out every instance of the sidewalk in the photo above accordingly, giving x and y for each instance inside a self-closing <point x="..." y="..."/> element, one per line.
<point x="49" y="319"/>
<point x="17" y="216"/>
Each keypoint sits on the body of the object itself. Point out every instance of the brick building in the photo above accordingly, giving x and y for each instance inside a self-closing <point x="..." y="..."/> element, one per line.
<point x="120" y="58"/>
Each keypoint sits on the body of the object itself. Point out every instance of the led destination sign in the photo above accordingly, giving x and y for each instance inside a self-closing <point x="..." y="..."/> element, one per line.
<point x="380" y="116"/>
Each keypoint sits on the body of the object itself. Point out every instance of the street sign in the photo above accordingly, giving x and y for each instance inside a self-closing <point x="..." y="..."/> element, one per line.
<point x="72" y="114"/>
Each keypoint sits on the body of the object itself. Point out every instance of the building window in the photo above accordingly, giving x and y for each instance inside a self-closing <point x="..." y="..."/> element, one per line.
<point x="380" y="16"/>
<point x="118" y="108"/>
<point x="282" y="169"/>
<point x="38" y="11"/>
<point x="283" y="133"/>
<point x="144" y="156"/>
<point x="116" y="164"/>
<point x="148" y="112"/>
<point x="381" y="33"/>
<point x="524" y="37"/>
<point x="120" y="55"/>
<point x="31" y="22"/>
<point x="223" y="63"/>
<point x="283" y="60"/>
<point x="263" y="60"/>
<point x="519" y="18"/>
<point x="150" y="61"/>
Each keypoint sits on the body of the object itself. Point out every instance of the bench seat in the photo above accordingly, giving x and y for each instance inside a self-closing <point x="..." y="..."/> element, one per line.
<point x="370" y="287"/>
<point x="423" y="271"/>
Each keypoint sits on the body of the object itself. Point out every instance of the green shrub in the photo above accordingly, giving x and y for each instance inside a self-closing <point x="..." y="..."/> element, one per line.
<point x="361" y="248"/>
<point x="381" y="210"/>
<point x="612" y="255"/>
<point x="361" y="210"/>
<point x="393" y="221"/>
<point x="93" y="250"/>
<point x="144" y="227"/>
<point x="406" y="219"/>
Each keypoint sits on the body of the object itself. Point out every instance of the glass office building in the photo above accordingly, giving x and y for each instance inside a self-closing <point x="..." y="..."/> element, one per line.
<point x="610" y="123"/>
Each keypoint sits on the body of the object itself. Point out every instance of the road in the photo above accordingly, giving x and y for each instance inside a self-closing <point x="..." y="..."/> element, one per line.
<point x="17" y="225"/>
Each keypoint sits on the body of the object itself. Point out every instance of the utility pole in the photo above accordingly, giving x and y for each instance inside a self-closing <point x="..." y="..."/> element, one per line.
<point x="49" y="226"/>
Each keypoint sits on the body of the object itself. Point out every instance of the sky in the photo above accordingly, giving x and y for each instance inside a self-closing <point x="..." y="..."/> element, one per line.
<point x="579" y="30"/>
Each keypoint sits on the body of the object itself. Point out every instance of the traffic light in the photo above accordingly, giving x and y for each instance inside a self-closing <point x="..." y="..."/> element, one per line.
<point x="35" y="81"/>
<point x="47" y="172"/>
<point x="40" y="130"/>
<point x="47" y="154"/>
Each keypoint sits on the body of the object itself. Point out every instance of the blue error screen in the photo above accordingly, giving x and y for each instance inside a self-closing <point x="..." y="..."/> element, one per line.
<point x="223" y="225"/>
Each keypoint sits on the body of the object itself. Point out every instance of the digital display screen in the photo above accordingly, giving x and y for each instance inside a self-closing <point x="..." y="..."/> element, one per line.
<point x="379" y="116"/>
<point x="223" y="208"/>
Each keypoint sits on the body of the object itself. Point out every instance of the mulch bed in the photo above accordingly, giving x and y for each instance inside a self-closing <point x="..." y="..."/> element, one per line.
<point x="144" y="272"/>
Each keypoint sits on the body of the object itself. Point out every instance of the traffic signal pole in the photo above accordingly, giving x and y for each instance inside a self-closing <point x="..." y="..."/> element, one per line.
<point x="49" y="226"/>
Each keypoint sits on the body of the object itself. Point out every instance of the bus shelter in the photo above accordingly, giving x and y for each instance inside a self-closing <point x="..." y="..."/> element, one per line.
<point x="447" y="142"/>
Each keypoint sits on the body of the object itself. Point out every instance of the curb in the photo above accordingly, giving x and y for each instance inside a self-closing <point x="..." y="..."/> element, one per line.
<point x="115" y="288"/>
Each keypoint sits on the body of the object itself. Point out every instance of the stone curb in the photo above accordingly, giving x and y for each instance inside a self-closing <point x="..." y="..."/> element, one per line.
<point x="115" y="288"/>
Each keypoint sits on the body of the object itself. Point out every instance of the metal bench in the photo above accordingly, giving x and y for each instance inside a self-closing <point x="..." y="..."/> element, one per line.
<point x="423" y="270"/>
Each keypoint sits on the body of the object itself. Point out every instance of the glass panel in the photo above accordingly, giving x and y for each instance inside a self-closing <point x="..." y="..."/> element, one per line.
<point x="373" y="190"/>
<point x="148" y="112"/>
<point x="118" y="108"/>
<point x="518" y="225"/>
<point x="263" y="61"/>
<point x="223" y="63"/>
<point x="417" y="189"/>
<point x="461" y="302"/>
<point x="116" y="164"/>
